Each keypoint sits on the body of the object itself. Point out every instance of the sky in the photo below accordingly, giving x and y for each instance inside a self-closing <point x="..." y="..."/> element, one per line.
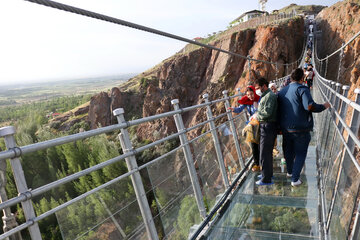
<point x="38" y="43"/>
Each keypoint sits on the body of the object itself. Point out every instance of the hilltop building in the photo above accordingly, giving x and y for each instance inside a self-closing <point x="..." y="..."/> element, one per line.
<point x="251" y="14"/>
<point x="247" y="16"/>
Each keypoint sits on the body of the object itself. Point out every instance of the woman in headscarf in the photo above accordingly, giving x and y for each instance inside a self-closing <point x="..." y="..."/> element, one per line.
<point x="250" y="101"/>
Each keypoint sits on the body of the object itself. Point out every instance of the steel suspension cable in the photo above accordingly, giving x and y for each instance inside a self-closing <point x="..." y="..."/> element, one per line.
<point x="339" y="49"/>
<point x="102" y="17"/>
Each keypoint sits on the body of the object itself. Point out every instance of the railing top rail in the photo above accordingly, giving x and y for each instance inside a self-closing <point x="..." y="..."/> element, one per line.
<point x="79" y="136"/>
<point x="350" y="132"/>
<point x="342" y="97"/>
<point x="102" y="17"/>
<point x="49" y="186"/>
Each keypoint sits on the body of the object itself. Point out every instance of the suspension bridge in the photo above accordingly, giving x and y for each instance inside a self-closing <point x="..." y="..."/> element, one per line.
<point x="207" y="179"/>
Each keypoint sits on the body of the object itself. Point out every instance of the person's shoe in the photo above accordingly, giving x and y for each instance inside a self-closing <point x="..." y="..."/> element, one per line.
<point x="256" y="168"/>
<point x="297" y="183"/>
<point x="288" y="174"/>
<point x="261" y="183"/>
<point x="260" y="176"/>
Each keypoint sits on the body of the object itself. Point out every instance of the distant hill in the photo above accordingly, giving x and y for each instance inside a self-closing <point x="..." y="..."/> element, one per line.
<point x="300" y="9"/>
<point x="305" y="9"/>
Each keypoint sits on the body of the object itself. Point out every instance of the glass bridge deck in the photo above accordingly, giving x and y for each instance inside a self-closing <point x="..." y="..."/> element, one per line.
<point x="278" y="211"/>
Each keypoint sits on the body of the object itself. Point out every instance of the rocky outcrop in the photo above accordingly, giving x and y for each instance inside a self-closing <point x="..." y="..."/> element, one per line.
<point x="99" y="111"/>
<point x="339" y="23"/>
<point x="102" y="105"/>
<point x="187" y="76"/>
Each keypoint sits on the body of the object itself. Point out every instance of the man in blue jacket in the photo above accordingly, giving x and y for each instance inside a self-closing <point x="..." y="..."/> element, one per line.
<point x="296" y="106"/>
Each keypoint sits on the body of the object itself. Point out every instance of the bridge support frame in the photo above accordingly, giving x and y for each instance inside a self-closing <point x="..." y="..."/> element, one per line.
<point x="136" y="178"/>
<point x="21" y="185"/>
<point x="233" y="130"/>
<point x="216" y="142"/>
<point x="189" y="160"/>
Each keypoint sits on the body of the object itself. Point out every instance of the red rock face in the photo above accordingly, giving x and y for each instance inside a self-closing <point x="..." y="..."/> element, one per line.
<point x="188" y="76"/>
<point x="339" y="23"/>
<point x="99" y="111"/>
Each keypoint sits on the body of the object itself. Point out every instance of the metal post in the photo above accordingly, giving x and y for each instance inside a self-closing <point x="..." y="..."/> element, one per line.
<point x="332" y="95"/>
<point x="329" y="95"/>
<point x="340" y="61"/>
<point x="335" y="109"/>
<point x="216" y="142"/>
<point x="136" y="178"/>
<point x="276" y="71"/>
<point x="249" y="63"/>
<point x="326" y="65"/>
<point x="8" y="134"/>
<point x="9" y="220"/>
<point x="233" y="130"/>
<point x="189" y="160"/>
<point x="287" y="70"/>
<point x="355" y="121"/>
<point x="343" y="107"/>
<point x="356" y="228"/>
<point x="337" y="99"/>
<point x="320" y="70"/>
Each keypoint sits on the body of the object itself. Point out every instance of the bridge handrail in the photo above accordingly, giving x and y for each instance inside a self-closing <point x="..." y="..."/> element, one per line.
<point x="339" y="111"/>
<point x="24" y="196"/>
<point x="342" y="121"/>
<point x="59" y="182"/>
<point x="49" y="186"/>
<point x="79" y="136"/>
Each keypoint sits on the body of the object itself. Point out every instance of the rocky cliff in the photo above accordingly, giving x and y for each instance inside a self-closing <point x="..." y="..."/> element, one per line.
<point x="190" y="73"/>
<point x="186" y="76"/>
<point x="339" y="23"/>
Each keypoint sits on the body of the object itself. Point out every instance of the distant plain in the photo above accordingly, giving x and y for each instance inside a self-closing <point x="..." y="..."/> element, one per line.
<point x="18" y="94"/>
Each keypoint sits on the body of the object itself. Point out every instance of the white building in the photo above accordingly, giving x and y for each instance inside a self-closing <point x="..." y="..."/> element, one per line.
<point x="251" y="14"/>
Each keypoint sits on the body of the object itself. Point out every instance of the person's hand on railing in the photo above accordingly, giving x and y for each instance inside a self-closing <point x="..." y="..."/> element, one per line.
<point x="326" y="105"/>
<point x="230" y="109"/>
<point x="253" y="117"/>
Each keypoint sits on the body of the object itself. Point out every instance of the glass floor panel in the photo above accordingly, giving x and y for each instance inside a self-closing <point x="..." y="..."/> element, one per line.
<point x="248" y="234"/>
<point x="278" y="211"/>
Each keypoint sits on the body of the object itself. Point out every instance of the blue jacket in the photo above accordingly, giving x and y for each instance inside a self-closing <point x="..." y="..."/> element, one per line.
<point x="250" y="108"/>
<point x="295" y="107"/>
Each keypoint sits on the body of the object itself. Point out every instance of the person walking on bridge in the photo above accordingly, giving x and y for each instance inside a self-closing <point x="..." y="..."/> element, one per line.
<point x="266" y="115"/>
<point x="295" y="118"/>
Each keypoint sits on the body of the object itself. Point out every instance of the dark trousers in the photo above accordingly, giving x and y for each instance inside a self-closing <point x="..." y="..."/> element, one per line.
<point x="309" y="82"/>
<point x="295" y="146"/>
<point x="255" y="152"/>
<point x="268" y="131"/>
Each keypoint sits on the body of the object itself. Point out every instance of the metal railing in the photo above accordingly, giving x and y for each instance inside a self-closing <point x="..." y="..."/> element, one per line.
<point x="26" y="195"/>
<point x="269" y="19"/>
<point x="338" y="163"/>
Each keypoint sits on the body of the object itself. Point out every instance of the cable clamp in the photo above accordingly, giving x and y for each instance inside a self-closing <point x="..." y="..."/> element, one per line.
<point x="17" y="152"/>
<point x="133" y="151"/>
<point x="27" y="194"/>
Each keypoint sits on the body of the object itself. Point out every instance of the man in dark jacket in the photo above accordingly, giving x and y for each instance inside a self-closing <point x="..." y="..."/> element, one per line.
<point x="295" y="117"/>
<point x="266" y="115"/>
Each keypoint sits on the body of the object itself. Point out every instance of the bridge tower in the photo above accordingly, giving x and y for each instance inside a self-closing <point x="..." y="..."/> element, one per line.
<point x="262" y="5"/>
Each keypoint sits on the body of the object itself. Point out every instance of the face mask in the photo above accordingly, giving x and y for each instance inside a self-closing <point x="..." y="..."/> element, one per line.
<point x="258" y="92"/>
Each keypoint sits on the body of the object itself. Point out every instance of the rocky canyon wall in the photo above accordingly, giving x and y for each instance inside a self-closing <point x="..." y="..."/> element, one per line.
<point x="338" y="24"/>
<point x="188" y="75"/>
